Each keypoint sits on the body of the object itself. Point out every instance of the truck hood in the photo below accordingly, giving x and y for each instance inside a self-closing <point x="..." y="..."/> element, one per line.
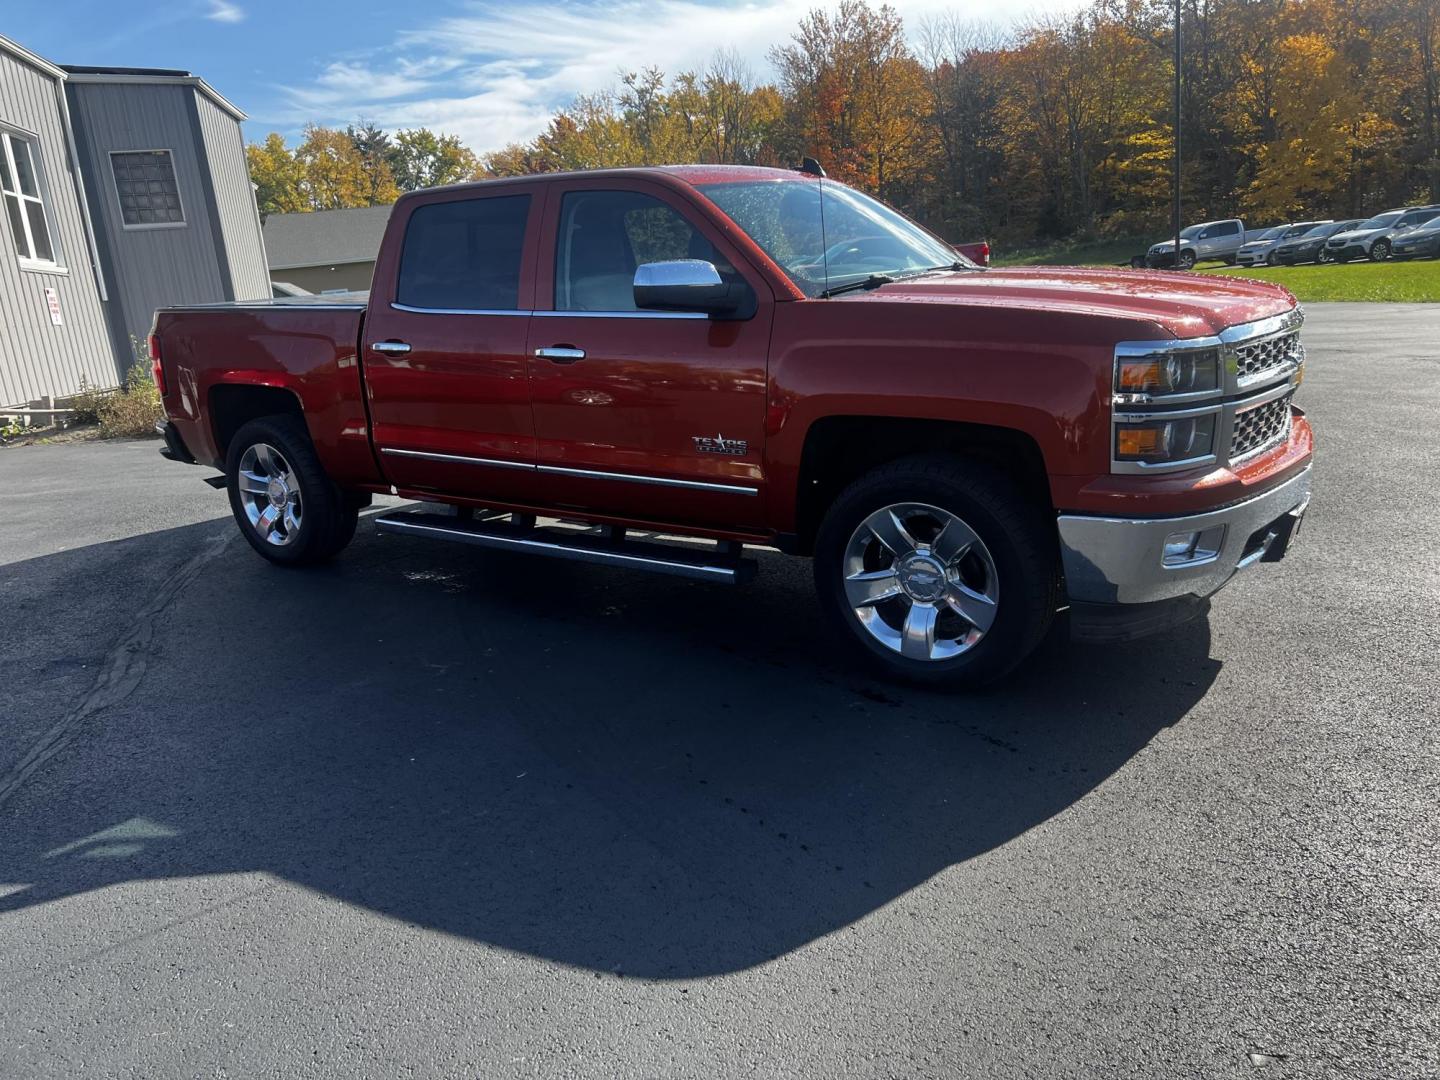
<point x="1187" y="305"/>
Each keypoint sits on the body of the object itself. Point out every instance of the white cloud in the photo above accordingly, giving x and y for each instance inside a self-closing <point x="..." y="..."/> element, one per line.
<point x="496" y="73"/>
<point x="225" y="12"/>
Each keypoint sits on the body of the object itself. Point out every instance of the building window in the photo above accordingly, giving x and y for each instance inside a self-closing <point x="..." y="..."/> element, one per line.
<point x="145" y="183"/>
<point x="20" y="182"/>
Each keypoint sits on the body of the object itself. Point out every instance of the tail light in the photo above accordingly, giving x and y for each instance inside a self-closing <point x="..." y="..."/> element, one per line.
<point x="157" y="369"/>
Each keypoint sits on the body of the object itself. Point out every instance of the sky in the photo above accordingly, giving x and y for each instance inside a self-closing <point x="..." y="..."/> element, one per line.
<point x="491" y="73"/>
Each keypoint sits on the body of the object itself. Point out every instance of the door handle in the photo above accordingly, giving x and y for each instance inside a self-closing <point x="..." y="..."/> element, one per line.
<point x="394" y="348"/>
<point x="561" y="354"/>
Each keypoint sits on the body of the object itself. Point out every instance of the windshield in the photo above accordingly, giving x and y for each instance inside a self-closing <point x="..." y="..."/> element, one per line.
<point x="1270" y="234"/>
<point x="1322" y="230"/>
<point x="855" y="238"/>
<point x="1191" y="232"/>
<point x="1432" y="223"/>
<point x="1380" y="221"/>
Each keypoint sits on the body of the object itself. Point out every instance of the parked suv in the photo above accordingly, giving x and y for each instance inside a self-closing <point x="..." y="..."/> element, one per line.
<point x="1310" y="246"/>
<point x="1257" y="252"/>
<point x="1423" y="240"/>
<point x="1375" y="239"/>
<point x="1208" y="240"/>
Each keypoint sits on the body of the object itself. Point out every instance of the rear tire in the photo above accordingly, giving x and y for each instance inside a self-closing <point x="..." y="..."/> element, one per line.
<point x="958" y="593"/>
<point x="287" y="508"/>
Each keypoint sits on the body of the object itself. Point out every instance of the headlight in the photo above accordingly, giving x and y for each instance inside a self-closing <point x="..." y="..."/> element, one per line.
<point x="1159" y="441"/>
<point x="1161" y="374"/>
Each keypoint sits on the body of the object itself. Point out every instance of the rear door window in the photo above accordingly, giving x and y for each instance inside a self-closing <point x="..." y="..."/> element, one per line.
<point x="464" y="255"/>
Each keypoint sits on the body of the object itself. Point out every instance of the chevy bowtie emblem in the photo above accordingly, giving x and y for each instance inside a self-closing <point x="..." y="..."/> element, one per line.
<point x="718" y="444"/>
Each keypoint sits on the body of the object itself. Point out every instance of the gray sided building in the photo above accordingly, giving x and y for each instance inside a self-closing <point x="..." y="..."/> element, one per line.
<point x="124" y="190"/>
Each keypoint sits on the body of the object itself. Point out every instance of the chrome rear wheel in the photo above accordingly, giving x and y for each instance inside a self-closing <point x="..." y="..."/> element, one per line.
<point x="920" y="581"/>
<point x="270" y="495"/>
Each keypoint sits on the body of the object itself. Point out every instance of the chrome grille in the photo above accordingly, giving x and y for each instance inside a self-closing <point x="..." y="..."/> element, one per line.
<point x="1256" y="359"/>
<point x="1260" y="427"/>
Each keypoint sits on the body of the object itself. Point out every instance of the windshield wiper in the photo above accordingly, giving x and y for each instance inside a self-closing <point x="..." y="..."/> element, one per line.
<point x="874" y="281"/>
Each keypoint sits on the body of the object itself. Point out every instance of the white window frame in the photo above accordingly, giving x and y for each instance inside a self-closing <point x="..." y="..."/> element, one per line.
<point x="27" y="257"/>
<point x="183" y="223"/>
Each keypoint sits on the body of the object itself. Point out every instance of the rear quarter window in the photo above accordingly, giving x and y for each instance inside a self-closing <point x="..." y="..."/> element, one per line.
<point x="464" y="255"/>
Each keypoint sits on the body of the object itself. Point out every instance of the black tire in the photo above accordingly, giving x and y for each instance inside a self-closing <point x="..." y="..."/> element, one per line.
<point x="1018" y="533"/>
<point x="329" y="516"/>
<point x="1187" y="260"/>
<point x="1231" y="260"/>
<point x="1380" y="250"/>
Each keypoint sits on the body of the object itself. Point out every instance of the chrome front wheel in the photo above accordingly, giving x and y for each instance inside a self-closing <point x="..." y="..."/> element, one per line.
<point x="270" y="495"/>
<point x="920" y="581"/>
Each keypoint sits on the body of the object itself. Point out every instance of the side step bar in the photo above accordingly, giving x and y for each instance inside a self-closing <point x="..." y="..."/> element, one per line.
<point x="607" y="546"/>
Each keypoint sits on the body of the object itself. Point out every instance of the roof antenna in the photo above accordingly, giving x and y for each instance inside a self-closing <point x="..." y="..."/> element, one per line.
<point x="811" y="167"/>
<point x="824" y="238"/>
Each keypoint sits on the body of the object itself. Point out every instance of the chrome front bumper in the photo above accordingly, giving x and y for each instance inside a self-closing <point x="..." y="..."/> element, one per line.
<point x="1122" y="560"/>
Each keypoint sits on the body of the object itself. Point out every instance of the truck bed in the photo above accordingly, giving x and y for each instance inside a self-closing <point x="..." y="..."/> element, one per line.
<point x="301" y="351"/>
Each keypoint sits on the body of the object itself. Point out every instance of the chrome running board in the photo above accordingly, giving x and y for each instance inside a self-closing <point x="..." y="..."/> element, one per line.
<point x="605" y="545"/>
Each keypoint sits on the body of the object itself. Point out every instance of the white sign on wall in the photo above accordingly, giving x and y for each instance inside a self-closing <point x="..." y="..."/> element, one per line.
<point x="52" y="299"/>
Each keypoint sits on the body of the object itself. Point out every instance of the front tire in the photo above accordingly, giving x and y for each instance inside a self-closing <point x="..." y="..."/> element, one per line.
<point x="1187" y="260"/>
<point x="937" y="571"/>
<point x="286" y="506"/>
<point x="1380" y="251"/>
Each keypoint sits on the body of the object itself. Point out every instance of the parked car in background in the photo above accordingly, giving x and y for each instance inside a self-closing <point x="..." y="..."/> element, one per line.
<point x="1374" y="239"/>
<point x="977" y="252"/>
<point x="1210" y="240"/>
<point x="1423" y="241"/>
<point x="1257" y="252"/>
<point x="1309" y="246"/>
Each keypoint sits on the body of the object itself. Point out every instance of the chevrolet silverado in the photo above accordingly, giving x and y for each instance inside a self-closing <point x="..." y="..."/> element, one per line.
<point x="654" y="368"/>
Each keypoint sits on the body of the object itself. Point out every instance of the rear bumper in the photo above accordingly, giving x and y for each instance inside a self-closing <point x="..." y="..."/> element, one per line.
<point x="1122" y="561"/>
<point x="174" y="448"/>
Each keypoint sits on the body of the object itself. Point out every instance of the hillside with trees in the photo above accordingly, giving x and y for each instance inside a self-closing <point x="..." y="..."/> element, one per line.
<point x="1061" y="128"/>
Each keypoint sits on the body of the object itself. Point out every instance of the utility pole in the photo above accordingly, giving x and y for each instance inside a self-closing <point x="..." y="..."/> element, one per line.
<point x="1177" y="134"/>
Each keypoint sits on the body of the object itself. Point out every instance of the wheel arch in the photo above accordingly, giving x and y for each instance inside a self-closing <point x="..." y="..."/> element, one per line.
<point x="233" y="405"/>
<point x="840" y="449"/>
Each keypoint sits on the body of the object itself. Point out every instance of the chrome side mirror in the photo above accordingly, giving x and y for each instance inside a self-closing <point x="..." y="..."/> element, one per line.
<point x="684" y="285"/>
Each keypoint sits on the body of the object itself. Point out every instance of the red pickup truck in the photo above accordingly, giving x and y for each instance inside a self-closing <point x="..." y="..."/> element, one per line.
<point x="653" y="368"/>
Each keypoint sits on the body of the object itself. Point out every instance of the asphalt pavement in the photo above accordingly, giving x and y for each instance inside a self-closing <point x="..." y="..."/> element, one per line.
<point x="431" y="811"/>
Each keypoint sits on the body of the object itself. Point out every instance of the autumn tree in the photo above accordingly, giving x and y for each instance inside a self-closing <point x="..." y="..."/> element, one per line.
<point x="333" y="174"/>
<point x="854" y="94"/>
<point x="375" y="149"/>
<point x="277" y="176"/>
<point x="420" y="158"/>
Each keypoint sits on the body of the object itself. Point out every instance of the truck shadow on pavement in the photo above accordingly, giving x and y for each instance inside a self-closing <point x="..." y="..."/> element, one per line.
<point x="600" y="768"/>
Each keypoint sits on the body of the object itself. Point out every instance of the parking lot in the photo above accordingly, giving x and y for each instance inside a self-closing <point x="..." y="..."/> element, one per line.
<point x="430" y="811"/>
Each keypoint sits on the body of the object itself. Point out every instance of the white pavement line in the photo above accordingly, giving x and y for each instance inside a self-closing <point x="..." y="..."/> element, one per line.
<point x="118" y="677"/>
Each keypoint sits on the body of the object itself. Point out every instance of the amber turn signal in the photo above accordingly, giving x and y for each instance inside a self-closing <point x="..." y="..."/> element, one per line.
<point x="1139" y="376"/>
<point x="1138" y="442"/>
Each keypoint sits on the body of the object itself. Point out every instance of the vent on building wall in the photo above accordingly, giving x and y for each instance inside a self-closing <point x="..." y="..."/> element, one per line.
<point x="145" y="183"/>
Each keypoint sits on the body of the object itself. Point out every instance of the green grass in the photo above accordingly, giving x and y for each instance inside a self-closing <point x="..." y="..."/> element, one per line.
<point x="1083" y="253"/>
<point x="1414" y="280"/>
